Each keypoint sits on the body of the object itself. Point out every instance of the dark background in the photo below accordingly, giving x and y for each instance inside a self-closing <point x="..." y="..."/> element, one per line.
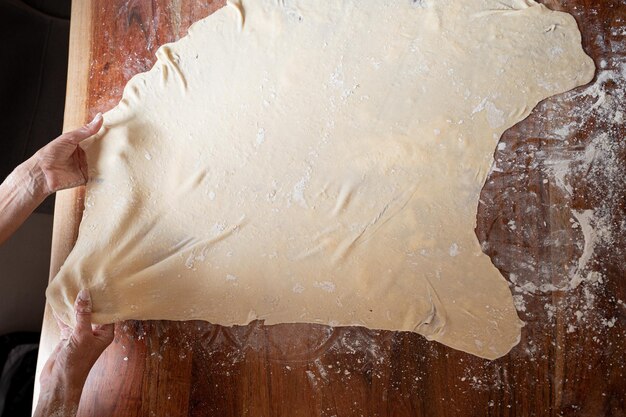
<point x="34" y="37"/>
<point x="33" y="67"/>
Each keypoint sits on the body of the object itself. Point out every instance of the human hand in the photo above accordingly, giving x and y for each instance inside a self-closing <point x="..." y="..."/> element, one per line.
<point x="62" y="162"/>
<point x="58" y="165"/>
<point x="64" y="374"/>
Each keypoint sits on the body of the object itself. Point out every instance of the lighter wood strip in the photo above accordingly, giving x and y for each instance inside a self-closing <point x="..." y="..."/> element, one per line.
<point x="69" y="204"/>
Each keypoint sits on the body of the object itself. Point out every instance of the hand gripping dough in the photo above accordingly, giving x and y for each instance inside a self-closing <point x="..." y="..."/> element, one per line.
<point x="319" y="162"/>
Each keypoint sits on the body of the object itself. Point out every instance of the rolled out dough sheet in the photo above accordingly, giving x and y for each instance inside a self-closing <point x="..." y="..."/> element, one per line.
<point x="318" y="162"/>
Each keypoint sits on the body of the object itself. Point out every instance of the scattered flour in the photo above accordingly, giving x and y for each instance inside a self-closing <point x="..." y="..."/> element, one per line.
<point x="579" y="159"/>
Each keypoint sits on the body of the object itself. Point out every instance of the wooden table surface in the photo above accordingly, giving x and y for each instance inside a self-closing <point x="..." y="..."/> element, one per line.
<point x="567" y="158"/>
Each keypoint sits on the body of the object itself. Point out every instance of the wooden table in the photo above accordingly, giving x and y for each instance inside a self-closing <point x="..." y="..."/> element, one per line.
<point x="571" y="359"/>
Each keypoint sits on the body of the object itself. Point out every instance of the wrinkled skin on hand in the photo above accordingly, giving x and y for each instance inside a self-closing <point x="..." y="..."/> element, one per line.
<point x="64" y="374"/>
<point x="63" y="162"/>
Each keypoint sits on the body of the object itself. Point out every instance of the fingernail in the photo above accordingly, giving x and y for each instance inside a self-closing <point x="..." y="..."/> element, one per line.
<point x="96" y="119"/>
<point x="84" y="295"/>
<point x="83" y="304"/>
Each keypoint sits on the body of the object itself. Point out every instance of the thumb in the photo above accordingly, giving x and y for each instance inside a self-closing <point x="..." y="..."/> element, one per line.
<point x="88" y="130"/>
<point x="82" y="309"/>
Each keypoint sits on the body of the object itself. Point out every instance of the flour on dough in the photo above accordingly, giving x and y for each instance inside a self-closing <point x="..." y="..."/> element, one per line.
<point x="318" y="162"/>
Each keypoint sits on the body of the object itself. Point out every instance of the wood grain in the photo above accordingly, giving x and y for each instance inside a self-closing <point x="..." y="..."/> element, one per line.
<point x="564" y="366"/>
<point x="68" y="203"/>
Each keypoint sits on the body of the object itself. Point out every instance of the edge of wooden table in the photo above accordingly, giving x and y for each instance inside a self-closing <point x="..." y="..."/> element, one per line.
<point x="69" y="203"/>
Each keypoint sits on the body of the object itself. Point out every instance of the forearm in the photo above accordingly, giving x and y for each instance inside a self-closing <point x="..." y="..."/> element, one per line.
<point x="20" y="194"/>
